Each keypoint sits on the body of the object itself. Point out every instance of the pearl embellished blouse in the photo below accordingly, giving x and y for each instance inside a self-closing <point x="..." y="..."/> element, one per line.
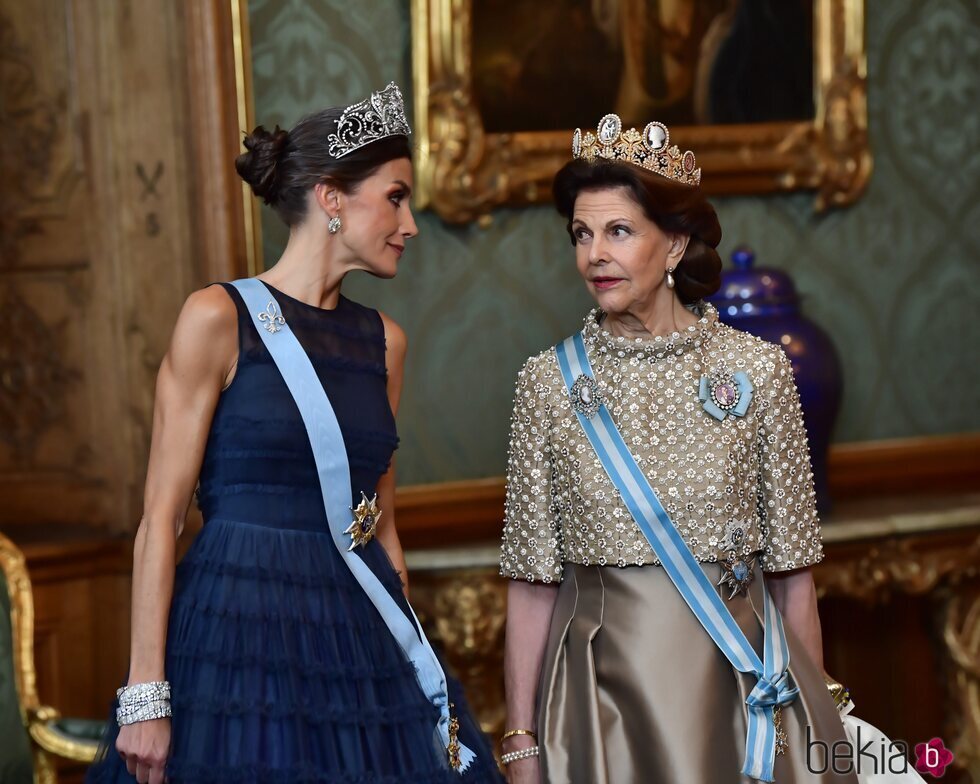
<point x="743" y="483"/>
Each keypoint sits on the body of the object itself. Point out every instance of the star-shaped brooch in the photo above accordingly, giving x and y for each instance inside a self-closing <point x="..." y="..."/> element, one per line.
<point x="737" y="573"/>
<point x="365" y="525"/>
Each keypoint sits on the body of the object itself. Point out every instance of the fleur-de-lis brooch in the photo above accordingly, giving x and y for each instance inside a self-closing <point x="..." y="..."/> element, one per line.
<point x="271" y="318"/>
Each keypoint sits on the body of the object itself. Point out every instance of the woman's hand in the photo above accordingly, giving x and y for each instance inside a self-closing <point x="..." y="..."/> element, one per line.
<point x="145" y="747"/>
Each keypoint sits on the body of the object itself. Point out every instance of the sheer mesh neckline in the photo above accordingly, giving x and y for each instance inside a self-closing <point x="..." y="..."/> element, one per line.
<point x="342" y="301"/>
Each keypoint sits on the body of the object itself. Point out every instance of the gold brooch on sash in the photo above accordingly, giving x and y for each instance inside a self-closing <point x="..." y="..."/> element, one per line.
<point x="366" y="516"/>
<point x="782" y="742"/>
<point x="453" y="749"/>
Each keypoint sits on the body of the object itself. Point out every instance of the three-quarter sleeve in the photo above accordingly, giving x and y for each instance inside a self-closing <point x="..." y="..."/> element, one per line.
<point x="531" y="546"/>
<point x="787" y="501"/>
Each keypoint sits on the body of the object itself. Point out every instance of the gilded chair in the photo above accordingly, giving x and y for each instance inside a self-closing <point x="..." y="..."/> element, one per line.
<point x="32" y="733"/>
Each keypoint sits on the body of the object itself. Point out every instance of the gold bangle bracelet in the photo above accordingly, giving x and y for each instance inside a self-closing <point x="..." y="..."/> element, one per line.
<point x="513" y="733"/>
<point x="840" y="693"/>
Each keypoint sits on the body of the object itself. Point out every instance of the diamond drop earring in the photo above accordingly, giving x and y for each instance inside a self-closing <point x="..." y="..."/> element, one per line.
<point x="334" y="225"/>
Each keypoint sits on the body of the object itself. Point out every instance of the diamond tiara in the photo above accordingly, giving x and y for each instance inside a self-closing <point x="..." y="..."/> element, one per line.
<point x="649" y="149"/>
<point x="378" y="117"/>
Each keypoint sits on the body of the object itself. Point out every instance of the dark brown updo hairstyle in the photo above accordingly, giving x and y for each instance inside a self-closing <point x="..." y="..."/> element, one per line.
<point x="676" y="208"/>
<point x="282" y="166"/>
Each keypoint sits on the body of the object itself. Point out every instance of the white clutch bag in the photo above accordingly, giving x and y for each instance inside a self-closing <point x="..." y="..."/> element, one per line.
<point x="876" y="759"/>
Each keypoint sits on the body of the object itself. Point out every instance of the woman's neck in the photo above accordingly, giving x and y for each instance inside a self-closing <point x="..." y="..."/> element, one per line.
<point x="664" y="316"/>
<point x="308" y="271"/>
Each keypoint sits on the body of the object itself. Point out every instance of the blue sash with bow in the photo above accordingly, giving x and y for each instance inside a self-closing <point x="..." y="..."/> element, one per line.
<point x="773" y="685"/>
<point x="333" y="469"/>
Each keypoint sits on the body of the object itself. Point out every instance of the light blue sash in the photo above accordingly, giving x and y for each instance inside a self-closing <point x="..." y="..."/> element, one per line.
<point x="333" y="470"/>
<point x="774" y="686"/>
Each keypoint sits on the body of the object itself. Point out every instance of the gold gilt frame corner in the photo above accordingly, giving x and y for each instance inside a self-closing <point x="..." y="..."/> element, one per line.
<point x="463" y="172"/>
<point x="36" y="716"/>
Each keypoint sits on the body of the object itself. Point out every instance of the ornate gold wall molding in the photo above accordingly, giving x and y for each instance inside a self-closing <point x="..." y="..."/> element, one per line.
<point x="914" y="565"/>
<point x="464" y="172"/>
<point x="940" y="561"/>
<point x="961" y="635"/>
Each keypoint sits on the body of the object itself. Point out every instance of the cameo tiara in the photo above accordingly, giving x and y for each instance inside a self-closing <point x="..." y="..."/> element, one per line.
<point x="649" y="149"/>
<point x="378" y="117"/>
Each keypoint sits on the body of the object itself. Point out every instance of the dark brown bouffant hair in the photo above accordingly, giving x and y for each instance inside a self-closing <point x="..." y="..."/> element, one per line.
<point x="282" y="166"/>
<point x="674" y="207"/>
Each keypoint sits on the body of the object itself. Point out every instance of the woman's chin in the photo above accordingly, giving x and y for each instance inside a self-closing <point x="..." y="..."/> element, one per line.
<point x="610" y="300"/>
<point x="385" y="270"/>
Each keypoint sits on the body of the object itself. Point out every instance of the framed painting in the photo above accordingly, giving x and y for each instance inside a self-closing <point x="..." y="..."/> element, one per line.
<point x="770" y="94"/>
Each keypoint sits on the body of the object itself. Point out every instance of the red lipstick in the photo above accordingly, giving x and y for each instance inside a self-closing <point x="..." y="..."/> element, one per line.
<point x="603" y="283"/>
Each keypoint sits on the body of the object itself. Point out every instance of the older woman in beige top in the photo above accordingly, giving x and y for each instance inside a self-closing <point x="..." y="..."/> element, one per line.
<point x="611" y="679"/>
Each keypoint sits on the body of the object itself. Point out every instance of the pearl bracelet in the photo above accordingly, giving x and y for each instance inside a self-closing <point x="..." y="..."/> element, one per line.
<point x="513" y="756"/>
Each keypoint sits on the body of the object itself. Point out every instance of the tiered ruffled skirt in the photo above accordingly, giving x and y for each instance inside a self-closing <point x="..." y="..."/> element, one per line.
<point x="283" y="672"/>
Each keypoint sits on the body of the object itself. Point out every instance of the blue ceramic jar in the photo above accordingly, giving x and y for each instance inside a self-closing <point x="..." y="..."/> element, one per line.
<point x="764" y="302"/>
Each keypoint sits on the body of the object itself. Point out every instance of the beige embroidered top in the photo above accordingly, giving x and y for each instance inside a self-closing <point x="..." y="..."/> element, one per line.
<point x="741" y="484"/>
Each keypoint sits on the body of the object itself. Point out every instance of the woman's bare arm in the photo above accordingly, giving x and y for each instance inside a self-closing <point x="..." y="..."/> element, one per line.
<point x="529" y="609"/>
<point x="397" y="345"/>
<point x="796" y="599"/>
<point x="202" y="353"/>
<point x="199" y="363"/>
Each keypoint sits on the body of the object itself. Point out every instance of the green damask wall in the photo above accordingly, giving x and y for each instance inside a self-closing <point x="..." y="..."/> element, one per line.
<point x="895" y="279"/>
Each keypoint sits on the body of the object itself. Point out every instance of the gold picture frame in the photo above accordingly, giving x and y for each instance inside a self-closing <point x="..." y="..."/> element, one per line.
<point x="245" y="106"/>
<point x="464" y="172"/>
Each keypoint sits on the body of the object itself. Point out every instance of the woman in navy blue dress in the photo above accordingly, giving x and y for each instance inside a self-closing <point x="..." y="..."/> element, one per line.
<point x="261" y="658"/>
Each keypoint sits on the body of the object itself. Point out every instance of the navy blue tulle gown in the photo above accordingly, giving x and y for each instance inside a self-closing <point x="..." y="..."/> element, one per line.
<point x="281" y="668"/>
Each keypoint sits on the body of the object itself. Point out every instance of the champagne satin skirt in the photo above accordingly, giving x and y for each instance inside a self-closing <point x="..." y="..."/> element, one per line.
<point x="633" y="691"/>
